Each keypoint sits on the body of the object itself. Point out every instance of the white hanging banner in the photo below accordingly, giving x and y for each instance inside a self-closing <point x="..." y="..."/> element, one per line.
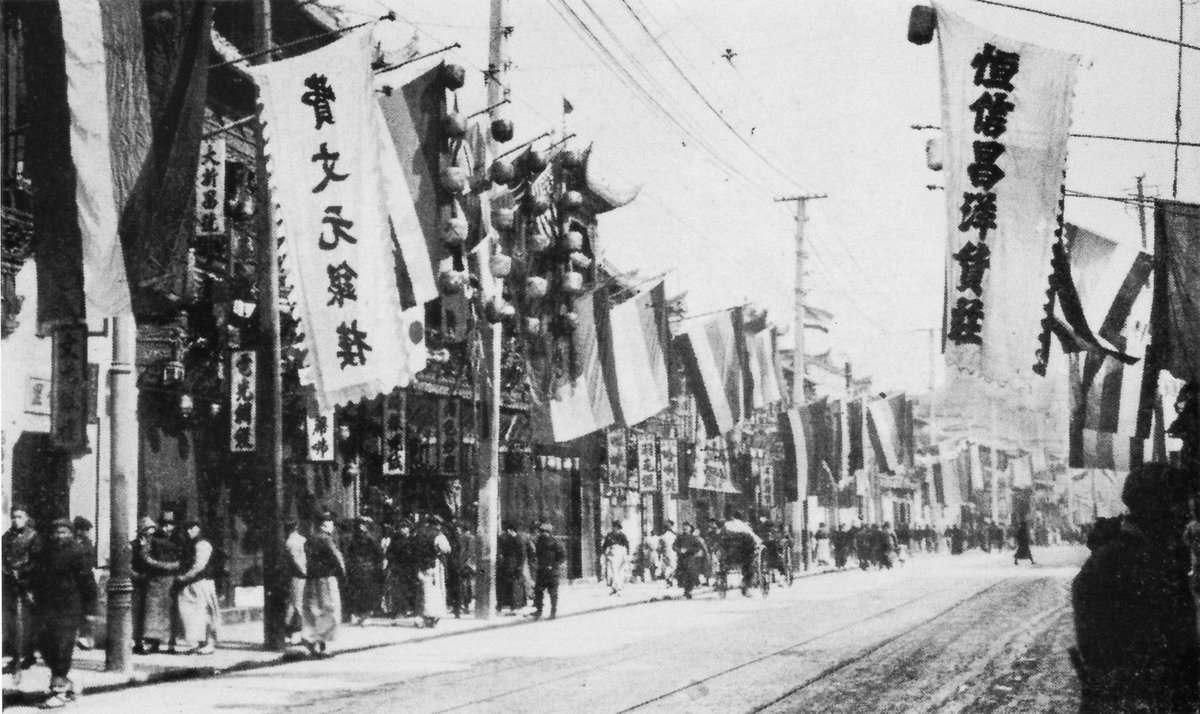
<point x="1006" y="109"/>
<point x="318" y="428"/>
<point x="210" y="188"/>
<point x="243" y="399"/>
<point x="325" y="148"/>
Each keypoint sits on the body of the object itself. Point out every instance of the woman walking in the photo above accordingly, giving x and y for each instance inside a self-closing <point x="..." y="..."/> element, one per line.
<point x="1022" y="538"/>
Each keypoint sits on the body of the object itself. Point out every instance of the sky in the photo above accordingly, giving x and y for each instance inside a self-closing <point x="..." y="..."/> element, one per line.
<point x="817" y="98"/>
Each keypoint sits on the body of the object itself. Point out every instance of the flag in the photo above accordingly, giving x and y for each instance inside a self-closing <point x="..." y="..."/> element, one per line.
<point x="547" y="222"/>
<point x="854" y="429"/>
<point x="414" y="118"/>
<point x="817" y="319"/>
<point x="881" y="426"/>
<point x="794" y="430"/>
<point x="1089" y="446"/>
<point x="975" y="466"/>
<point x="1006" y="108"/>
<point x="951" y="480"/>
<point x="327" y="157"/>
<point x="112" y="151"/>
<point x="567" y="106"/>
<point x="576" y="402"/>
<point x="824" y="447"/>
<point x="637" y="355"/>
<point x="713" y="354"/>
<point x="1177" y="318"/>
<point x="1020" y="471"/>
<point x="764" y="370"/>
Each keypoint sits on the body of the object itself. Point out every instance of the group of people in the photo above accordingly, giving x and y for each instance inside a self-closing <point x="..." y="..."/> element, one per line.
<point x="49" y="591"/>
<point x="175" y="568"/>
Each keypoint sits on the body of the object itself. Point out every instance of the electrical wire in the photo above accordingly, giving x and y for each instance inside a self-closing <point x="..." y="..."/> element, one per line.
<point x="1180" y="43"/>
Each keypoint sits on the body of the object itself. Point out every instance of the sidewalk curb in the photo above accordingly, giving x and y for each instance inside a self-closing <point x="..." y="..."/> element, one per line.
<point x="190" y="673"/>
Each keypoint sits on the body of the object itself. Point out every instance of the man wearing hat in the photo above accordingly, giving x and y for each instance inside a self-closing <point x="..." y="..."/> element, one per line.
<point x="18" y="543"/>
<point x="196" y="600"/>
<point x="161" y="560"/>
<point x="616" y="558"/>
<point x="322" y="598"/>
<point x="550" y="556"/>
<point x="1135" y="618"/>
<point x="64" y="592"/>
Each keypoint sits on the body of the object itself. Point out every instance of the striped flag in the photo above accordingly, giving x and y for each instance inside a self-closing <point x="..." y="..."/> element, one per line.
<point x="636" y="351"/>
<point x="796" y="439"/>
<point x="713" y="353"/>
<point x="543" y="187"/>
<point x="578" y="403"/>
<point x="764" y="370"/>
<point x="882" y="429"/>
<point x="112" y="151"/>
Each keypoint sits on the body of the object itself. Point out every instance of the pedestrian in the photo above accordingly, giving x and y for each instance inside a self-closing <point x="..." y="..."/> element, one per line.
<point x="712" y="543"/>
<point x="1135" y="617"/>
<point x="64" y="592"/>
<point x="841" y="546"/>
<point x="163" y="561"/>
<point x="510" y="564"/>
<point x="865" y="546"/>
<point x="139" y="549"/>
<point x="888" y="546"/>
<point x="822" y="549"/>
<point x="18" y="544"/>
<point x="82" y="528"/>
<point x="364" y="572"/>
<point x="322" y="596"/>
<point x="550" y="556"/>
<point x="433" y="547"/>
<point x="616" y="558"/>
<point x="196" y="598"/>
<point x="297" y="565"/>
<point x="957" y="539"/>
<point x="666" y="550"/>
<point x="643" y="560"/>
<point x="1022" y="539"/>
<point x="691" y="558"/>
<point x="529" y="565"/>
<point x="462" y="566"/>
<point x="404" y="587"/>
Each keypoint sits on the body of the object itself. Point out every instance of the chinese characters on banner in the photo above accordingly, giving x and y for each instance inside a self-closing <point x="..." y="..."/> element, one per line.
<point x="395" y="449"/>
<point x="210" y="188"/>
<point x="1006" y="109"/>
<point x="614" y="458"/>
<point x="69" y="387"/>
<point x="647" y="455"/>
<point x="326" y="147"/>
<point x="243" y="403"/>
<point x="668" y="465"/>
<point x="319" y="429"/>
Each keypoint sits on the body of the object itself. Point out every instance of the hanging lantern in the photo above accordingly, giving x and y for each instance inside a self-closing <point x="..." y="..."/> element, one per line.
<point x="539" y="242"/>
<point x="455" y="125"/>
<point x="580" y="260"/>
<point x="453" y="76"/>
<point x="454" y="179"/>
<point x="455" y="229"/>
<point x="567" y="322"/>
<point x="534" y="161"/>
<point x="497" y="309"/>
<point x="933" y="154"/>
<point x="502" y="172"/>
<point x="571" y="200"/>
<point x="502" y="130"/>
<point x="572" y="282"/>
<point x="501" y="265"/>
<point x="572" y="158"/>
<point x="539" y="205"/>
<point x="504" y="217"/>
<point x="535" y="287"/>
<point x="921" y="23"/>
<point x="453" y="281"/>
<point x="573" y="241"/>
<point x="533" y="325"/>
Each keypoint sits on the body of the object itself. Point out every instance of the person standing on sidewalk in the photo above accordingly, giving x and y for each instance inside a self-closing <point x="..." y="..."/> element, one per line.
<point x="64" y="592"/>
<point x="550" y="557"/>
<point x="18" y="544"/>
<point x="691" y="557"/>
<point x="402" y="566"/>
<point x="434" y="548"/>
<point x="1022" y="538"/>
<point x="822" y="540"/>
<point x="364" y="572"/>
<point x="197" y="597"/>
<point x="616" y="558"/>
<point x="297" y="565"/>
<point x="158" y="613"/>
<point x="510" y="564"/>
<point x="322" y="597"/>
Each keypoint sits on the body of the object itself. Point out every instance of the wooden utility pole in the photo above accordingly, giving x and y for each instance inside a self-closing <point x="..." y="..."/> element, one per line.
<point x="935" y="508"/>
<point x="800" y="507"/>
<point x="489" y="484"/>
<point x="270" y="380"/>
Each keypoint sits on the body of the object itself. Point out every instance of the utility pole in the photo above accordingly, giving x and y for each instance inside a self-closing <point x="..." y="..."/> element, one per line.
<point x="489" y="486"/>
<point x="270" y="380"/>
<point x="995" y="459"/>
<point x="1158" y="434"/>
<point x="800" y="507"/>
<point x="935" y="508"/>
<point x="122" y="490"/>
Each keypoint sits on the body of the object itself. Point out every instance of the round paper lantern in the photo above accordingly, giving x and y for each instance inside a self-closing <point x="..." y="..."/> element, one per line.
<point x="572" y="158"/>
<point x="504" y="217"/>
<point x="539" y="242"/>
<point x="567" y="322"/>
<point x="538" y="205"/>
<point x="498" y="309"/>
<point x="572" y="200"/>
<point x="536" y="287"/>
<point x="572" y="282"/>
<point x="501" y="265"/>
<point x="454" y="179"/>
<point x="933" y="154"/>
<point x="534" y="160"/>
<point x="502" y="172"/>
<point x="455" y="125"/>
<point x="453" y="281"/>
<point x="454" y="228"/>
<point x="573" y="240"/>
<point x="533" y="325"/>
<point x="581" y="261"/>
<point x="453" y="76"/>
<point x="502" y="130"/>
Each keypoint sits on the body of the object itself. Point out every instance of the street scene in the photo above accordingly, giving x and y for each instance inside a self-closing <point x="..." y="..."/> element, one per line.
<point x="600" y="355"/>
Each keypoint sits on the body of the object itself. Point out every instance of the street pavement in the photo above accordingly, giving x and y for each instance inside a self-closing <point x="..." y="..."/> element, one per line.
<point x="970" y="633"/>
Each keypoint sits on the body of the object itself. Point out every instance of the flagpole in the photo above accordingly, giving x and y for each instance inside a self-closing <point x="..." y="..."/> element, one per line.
<point x="270" y="386"/>
<point x="489" y="486"/>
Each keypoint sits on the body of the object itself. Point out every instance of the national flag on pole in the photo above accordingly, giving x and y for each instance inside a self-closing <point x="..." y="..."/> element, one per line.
<point x="796" y="464"/>
<point x="543" y="187"/>
<point x="713" y="354"/>
<point x="1020" y="471"/>
<point x="975" y="464"/>
<point x="1006" y="109"/>
<point x="637" y="347"/>
<point x="112" y="151"/>
<point x="577" y="401"/>
<point x="951" y="480"/>
<point x="882" y="428"/>
<point x="764" y="369"/>
<point x="1177" y="319"/>
<point x="854" y="431"/>
<point x="328" y="158"/>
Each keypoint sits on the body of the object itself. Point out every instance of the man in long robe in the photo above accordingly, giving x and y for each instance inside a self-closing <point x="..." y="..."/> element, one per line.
<point x="197" y="597"/>
<point x="435" y="547"/>
<point x="322" y="596"/>
<point x="616" y="558"/>
<point x="164" y="558"/>
<point x="64" y="593"/>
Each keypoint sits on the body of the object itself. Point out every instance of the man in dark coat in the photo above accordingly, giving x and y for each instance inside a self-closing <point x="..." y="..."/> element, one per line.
<point x="64" y="592"/>
<point x="691" y="556"/>
<point x="403" y="564"/>
<point x="841" y="541"/>
<point x="18" y="543"/>
<point x="364" y="572"/>
<point x="1135" y="618"/>
<point x="550" y="555"/>
<point x="510" y="563"/>
<point x="1021" y="536"/>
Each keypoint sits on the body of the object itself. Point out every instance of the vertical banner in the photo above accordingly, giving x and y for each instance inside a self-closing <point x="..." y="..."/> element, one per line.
<point x="395" y="425"/>
<point x="243" y="400"/>
<point x="326" y="147"/>
<point x="210" y="188"/>
<point x="1006" y="109"/>
<point x="69" y="387"/>
<point x="614" y="458"/>
<point x="318" y="428"/>
<point x="668" y="465"/>
<point x="647" y="463"/>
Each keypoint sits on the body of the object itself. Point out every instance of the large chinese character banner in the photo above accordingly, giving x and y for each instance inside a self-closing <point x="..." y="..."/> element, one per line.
<point x="326" y="149"/>
<point x="1006" y="108"/>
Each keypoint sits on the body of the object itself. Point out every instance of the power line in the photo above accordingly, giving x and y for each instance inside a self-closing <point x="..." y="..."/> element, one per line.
<point x="1180" y="43"/>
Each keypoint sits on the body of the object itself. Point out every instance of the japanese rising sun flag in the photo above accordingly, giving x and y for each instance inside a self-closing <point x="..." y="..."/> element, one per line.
<point x="1006" y="108"/>
<point x="326" y="147"/>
